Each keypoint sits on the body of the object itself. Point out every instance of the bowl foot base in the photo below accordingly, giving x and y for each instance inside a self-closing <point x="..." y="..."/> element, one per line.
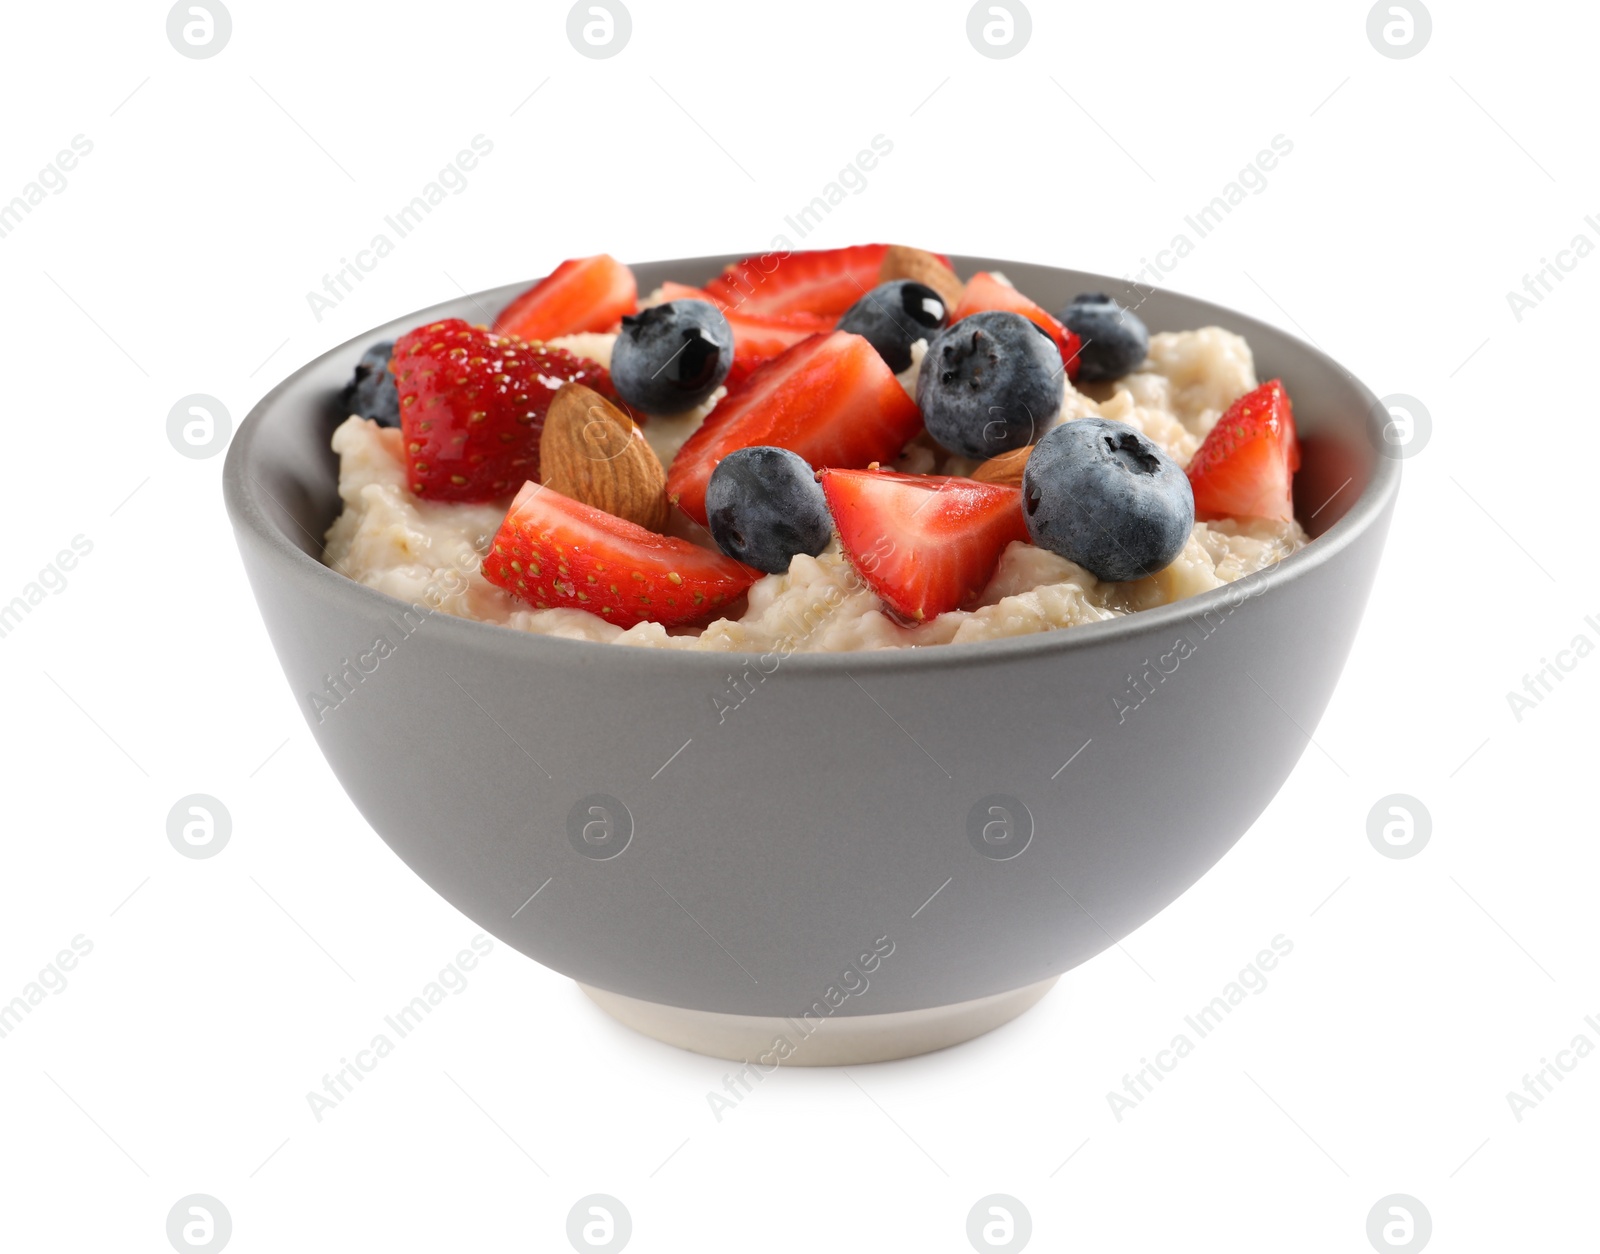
<point x="836" y="1042"/>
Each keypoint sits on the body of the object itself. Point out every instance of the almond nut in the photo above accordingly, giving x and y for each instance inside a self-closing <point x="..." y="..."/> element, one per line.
<point x="593" y="452"/>
<point x="1005" y="469"/>
<point x="901" y="262"/>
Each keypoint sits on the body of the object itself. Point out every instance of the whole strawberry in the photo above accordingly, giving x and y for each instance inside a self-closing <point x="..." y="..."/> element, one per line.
<point x="472" y="407"/>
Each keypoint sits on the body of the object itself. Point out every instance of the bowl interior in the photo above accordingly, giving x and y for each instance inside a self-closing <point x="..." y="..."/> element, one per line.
<point x="290" y="474"/>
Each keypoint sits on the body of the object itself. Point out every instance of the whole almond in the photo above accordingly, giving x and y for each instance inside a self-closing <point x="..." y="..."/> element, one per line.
<point x="1005" y="469"/>
<point x="593" y="452"/>
<point x="901" y="262"/>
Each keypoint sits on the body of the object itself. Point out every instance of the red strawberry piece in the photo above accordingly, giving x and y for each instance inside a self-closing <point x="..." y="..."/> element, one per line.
<point x="472" y="407"/>
<point x="555" y="552"/>
<point x="829" y="398"/>
<point x="682" y="291"/>
<point x="755" y="337"/>
<point x="924" y="543"/>
<point x="585" y="294"/>
<point x="1245" y="467"/>
<point x="826" y="281"/>
<point x="984" y="291"/>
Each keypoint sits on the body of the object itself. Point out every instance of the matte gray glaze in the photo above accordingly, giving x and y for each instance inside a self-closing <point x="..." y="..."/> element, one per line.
<point x="770" y="850"/>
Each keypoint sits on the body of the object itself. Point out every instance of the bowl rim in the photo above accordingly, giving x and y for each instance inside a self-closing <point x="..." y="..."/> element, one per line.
<point x="246" y="512"/>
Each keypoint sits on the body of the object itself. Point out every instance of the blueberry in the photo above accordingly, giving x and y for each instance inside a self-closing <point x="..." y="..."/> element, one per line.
<point x="1104" y="496"/>
<point x="765" y="505"/>
<point x="1115" y="340"/>
<point x="894" y="316"/>
<point x="670" y="357"/>
<point x="371" y="391"/>
<point x="989" y="383"/>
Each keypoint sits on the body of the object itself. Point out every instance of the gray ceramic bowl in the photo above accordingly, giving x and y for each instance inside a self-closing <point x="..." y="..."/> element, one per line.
<point x="869" y="838"/>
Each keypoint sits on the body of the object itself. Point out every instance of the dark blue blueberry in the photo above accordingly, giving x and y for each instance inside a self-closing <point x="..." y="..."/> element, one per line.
<point x="670" y="357"/>
<point x="894" y="316"/>
<point x="371" y="391"/>
<point x="989" y="383"/>
<point x="765" y="505"/>
<point x="1104" y="496"/>
<point x="1115" y="340"/>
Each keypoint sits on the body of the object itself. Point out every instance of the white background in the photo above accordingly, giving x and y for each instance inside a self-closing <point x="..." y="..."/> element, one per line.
<point x="177" y="260"/>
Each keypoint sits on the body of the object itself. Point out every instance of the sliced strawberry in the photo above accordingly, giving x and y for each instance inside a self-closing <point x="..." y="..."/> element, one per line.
<point x="472" y="407"/>
<point x="682" y="291"/>
<point x="830" y="398"/>
<point x="984" y="291"/>
<point x="1245" y="467"/>
<point x="585" y="294"/>
<point x="924" y="543"/>
<point x="555" y="552"/>
<point x="826" y="281"/>
<point x="755" y="338"/>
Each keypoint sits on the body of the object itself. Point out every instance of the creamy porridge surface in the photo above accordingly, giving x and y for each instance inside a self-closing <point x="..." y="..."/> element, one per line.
<point x="428" y="553"/>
